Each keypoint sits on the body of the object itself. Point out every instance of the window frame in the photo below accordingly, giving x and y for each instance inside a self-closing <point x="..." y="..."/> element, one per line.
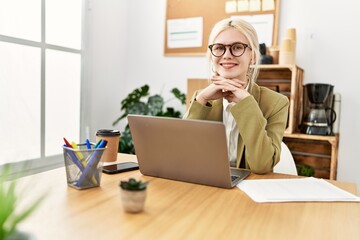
<point x="32" y="166"/>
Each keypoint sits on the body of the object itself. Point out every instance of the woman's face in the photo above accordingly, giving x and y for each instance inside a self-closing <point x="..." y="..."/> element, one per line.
<point x="229" y="66"/>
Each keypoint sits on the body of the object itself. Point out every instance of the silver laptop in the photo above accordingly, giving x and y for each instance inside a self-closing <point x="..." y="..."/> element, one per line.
<point x="185" y="150"/>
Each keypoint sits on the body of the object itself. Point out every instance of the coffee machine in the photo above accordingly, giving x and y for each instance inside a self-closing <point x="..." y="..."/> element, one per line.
<point x="319" y="114"/>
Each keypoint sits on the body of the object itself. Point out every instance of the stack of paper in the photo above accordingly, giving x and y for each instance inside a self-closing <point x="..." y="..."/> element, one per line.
<point x="295" y="190"/>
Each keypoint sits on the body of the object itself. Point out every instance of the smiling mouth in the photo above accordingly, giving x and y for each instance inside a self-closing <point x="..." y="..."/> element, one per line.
<point x="228" y="65"/>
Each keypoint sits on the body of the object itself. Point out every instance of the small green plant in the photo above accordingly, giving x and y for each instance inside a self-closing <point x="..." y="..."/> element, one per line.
<point x="305" y="170"/>
<point x="134" y="104"/>
<point x="133" y="185"/>
<point x="10" y="216"/>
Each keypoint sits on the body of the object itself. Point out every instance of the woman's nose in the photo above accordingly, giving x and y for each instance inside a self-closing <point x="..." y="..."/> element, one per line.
<point x="227" y="53"/>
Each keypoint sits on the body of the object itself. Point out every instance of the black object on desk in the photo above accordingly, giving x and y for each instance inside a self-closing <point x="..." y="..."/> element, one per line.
<point x="120" y="167"/>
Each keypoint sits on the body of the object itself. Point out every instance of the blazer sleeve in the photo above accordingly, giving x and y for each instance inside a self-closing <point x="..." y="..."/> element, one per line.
<point x="261" y="127"/>
<point x="212" y="111"/>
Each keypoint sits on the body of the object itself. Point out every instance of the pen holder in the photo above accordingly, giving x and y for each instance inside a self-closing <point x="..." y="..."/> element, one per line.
<point x="83" y="166"/>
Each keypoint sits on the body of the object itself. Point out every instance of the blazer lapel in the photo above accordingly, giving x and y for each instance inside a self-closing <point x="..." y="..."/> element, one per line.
<point x="254" y="90"/>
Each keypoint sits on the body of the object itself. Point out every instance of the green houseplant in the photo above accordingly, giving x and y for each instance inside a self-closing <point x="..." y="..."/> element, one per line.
<point x="136" y="103"/>
<point x="133" y="195"/>
<point x="133" y="185"/>
<point x="305" y="170"/>
<point x="10" y="215"/>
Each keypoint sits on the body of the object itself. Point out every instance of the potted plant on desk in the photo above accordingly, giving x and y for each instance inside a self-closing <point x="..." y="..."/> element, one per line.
<point x="133" y="195"/>
<point x="10" y="213"/>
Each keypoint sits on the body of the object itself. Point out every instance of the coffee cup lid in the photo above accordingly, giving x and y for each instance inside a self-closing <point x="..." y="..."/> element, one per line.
<point x="107" y="132"/>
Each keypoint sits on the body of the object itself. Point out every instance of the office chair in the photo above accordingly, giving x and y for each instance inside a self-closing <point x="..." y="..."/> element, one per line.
<point x="286" y="164"/>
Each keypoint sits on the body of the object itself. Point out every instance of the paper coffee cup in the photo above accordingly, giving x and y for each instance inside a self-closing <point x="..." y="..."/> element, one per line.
<point x="291" y="33"/>
<point x="112" y="137"/>
<point x="286" y="45"/>
<point x="274" y="52"/>
<point x="286" y="57"/>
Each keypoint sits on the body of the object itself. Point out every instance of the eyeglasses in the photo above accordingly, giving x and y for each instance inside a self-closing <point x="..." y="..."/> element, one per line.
<point x="237" y="49"/>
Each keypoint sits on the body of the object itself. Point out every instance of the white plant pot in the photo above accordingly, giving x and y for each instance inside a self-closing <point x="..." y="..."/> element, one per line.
<point x="133" y="201"/>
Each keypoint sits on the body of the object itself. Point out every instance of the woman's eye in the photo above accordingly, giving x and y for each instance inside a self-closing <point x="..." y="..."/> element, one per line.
<point x="219" y="48"/>
<point x="238" y="47"/>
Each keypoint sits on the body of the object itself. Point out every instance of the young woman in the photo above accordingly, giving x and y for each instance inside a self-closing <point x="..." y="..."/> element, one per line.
<point x="255" y="117"/>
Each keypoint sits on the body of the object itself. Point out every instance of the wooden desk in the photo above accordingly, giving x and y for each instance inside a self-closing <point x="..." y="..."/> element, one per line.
<point x="178" y="210"/>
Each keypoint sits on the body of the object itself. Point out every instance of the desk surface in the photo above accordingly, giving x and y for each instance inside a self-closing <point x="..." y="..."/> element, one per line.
<point x="178" y="210"/>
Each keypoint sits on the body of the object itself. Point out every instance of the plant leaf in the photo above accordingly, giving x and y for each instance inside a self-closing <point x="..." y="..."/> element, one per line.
<point x="170" y="112"/>
<point x="8" y="202"/>
<point x="126" y="142"/>
<point x="9" y="217"/>
<point x="179" y="95"/>
<point x="131" y="99"/>
<point x="135" y="96"/>
<point x="139" y="108"/>
<point x="26" y="213"/>
<point x="133" y="185"/>
<point x="155" y="104"/>
<point x="118" y="119"/>
<point x="132" y="104"/>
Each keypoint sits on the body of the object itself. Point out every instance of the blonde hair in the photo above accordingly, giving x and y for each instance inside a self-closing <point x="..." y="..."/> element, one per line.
<point x="249" y="31"/>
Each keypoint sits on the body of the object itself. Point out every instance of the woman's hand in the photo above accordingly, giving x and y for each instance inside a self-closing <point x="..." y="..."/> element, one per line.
<point x="232" y="90"/>
<point x="235" y="86"/>
<point x="211" y="92"/>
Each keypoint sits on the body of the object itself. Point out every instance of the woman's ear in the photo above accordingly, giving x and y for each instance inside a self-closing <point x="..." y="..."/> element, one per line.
<point x="252" y="62"/>
<point x="253" y="58"/>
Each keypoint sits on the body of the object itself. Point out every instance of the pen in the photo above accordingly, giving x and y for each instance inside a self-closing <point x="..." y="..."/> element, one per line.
<point x="74" y="159"/>
<point x="90" y="171"/>
<point x="102" y="144"/>
<point x="91" y="168"/>
<point x="88" y="145"/>
<point x="67" y="143"/>
<point x="79" y="154"/>
<point x="97" y="144"/>
<point x="82" y="160"/>
<point x="77" y="158"/>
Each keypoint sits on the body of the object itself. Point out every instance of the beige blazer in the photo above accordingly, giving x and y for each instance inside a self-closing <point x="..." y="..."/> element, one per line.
<point x="261" y="119"/>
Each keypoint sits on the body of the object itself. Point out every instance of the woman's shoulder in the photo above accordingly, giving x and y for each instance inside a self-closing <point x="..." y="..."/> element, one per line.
<point x="268" y="95"/>
<point x="269" y="92"/>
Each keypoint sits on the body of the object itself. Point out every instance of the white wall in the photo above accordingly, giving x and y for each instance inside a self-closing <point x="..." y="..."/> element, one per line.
<point x="327" y="34"/>
<point x="106" y="62"/>
<point x="125" y="50"/>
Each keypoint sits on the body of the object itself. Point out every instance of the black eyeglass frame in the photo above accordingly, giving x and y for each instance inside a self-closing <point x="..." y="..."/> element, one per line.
<point x="230" y="48"/>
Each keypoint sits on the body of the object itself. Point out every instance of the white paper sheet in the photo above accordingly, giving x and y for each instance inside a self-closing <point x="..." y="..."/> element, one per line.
<point x="263" y="24"/>
<point x="295" y="190"/>
<point x="185" y="32"/>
